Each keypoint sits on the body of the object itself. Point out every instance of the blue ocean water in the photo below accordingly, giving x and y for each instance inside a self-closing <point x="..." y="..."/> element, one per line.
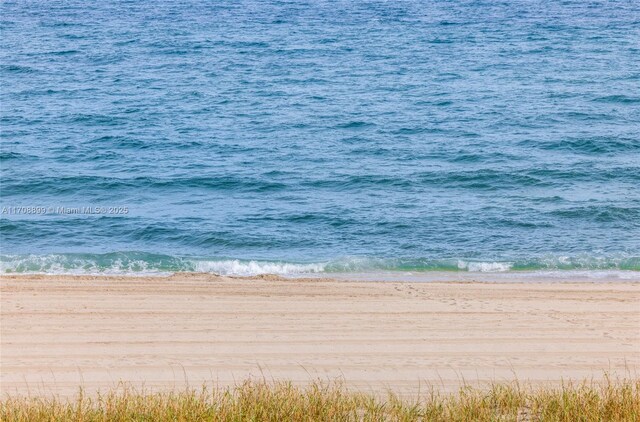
<point x="319" y="136"/>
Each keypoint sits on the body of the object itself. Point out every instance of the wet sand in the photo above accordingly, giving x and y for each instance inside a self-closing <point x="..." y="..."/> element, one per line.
<point x="60" y="332"/>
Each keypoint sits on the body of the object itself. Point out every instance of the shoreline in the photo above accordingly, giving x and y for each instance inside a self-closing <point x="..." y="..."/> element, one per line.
<point x="509" y="277"/>
<point x="61" y="332"/>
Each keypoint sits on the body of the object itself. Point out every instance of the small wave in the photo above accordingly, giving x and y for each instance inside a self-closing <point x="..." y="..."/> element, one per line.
<point x="603" y="214"/>
<point x="355" y="125"/>
<point x="119" y="142"/>
<point x="249" y="268"/>
<point x="619" y="99"/>
<point x="410" y="130"/>
<point x="111" y="263"/>
<point x="9" y="155"/>
<point x="65" y="184"/>
<point x="485" y="267"/>
<point x="584" y="262"/>
<point x="357" y="182"/>
<point x="586" y="174"/>
<point x="588" y="145"/>
<point x="95" y="119"/>
<point x="141" y="263"/>
<point x="63" y="52"/>
<point x="485" y="179"/>
<point x="17" y="68"/>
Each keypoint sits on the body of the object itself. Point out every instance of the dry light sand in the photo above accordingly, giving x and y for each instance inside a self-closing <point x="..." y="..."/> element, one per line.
<point x="59" y="332"/>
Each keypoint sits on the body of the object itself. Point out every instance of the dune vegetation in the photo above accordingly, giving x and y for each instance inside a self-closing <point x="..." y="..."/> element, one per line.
<point x="608" y="400"/>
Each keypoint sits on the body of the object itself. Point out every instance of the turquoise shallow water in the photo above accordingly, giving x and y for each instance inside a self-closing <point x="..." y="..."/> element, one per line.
<point x="312" y="137"/>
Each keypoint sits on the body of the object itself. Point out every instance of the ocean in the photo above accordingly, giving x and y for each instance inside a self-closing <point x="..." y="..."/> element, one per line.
<point x="320" y="137"/>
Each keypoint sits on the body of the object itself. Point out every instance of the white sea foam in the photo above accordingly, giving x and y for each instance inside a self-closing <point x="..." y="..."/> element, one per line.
<point x="70" y="264"/>
<point x="139" y="263"/>
<point x="59" y="264"/>
<point x="249" y="268"/>
<point x="485" y="267"/>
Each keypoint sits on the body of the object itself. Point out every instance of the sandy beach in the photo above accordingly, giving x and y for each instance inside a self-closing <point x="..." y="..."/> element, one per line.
<point x="60" y="332"/>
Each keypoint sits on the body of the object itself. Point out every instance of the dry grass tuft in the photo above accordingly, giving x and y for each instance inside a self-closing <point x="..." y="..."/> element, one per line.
<point x="609" y="400"/>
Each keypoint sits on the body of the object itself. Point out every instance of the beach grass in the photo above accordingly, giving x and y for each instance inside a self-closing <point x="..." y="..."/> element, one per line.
<point x="608" y="400"/>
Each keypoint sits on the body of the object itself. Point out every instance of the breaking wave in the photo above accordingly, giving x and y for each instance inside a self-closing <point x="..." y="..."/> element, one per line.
<point x="141" y="263"/>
